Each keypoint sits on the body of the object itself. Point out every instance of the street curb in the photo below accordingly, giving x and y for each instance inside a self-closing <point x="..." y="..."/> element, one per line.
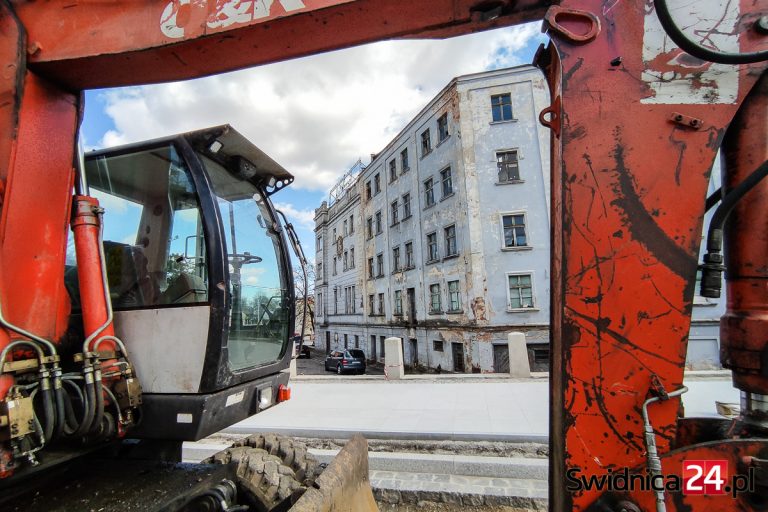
<point x="393" y="435"/>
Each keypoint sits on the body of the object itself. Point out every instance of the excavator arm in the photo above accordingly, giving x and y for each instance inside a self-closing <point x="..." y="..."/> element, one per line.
<point x="636" y="123"/>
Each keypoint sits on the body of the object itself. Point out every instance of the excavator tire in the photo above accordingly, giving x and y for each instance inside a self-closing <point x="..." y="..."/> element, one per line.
<point x="273" y="471"/>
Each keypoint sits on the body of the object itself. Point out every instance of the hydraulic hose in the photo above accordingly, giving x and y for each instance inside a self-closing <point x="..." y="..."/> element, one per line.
<point x="697" y="50"/>
<point x="61" y="419"/>
<point x="49" y="415"/>
<point x="89" y="405"/>
<point x="70" y="423"/>
<point x="99" y="396"/>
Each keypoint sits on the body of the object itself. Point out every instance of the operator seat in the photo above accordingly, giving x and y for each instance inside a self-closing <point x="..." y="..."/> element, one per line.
<point x="129" y="282"/>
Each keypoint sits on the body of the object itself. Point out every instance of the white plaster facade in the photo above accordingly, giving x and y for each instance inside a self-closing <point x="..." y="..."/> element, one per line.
<point x="456" y="305"/>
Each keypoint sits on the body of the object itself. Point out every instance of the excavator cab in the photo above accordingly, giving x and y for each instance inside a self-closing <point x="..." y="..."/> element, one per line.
<point x="199" y="276"/>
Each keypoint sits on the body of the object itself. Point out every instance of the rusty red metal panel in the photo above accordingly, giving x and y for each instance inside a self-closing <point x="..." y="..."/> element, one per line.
<point x="634" y="182"/>
<point x="35" y="213"/>
<point x="102" y="44"/>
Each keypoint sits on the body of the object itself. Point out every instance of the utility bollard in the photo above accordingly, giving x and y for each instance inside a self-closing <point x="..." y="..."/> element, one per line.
<point x="518" y="355"/>
<point x="393" y="359"/>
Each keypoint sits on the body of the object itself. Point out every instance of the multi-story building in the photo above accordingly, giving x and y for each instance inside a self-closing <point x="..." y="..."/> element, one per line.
<point x="443" y="239"/>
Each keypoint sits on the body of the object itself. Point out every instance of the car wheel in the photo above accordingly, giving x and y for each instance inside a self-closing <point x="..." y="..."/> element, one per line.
<point x="338" y="369"/>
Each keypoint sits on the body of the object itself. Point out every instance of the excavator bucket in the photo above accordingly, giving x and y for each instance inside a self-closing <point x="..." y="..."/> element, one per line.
<point x="344" y="485"/>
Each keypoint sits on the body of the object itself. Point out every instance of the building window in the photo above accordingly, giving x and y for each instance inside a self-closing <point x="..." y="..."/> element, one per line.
<point x="381" y="304"/>
<point x="392" y="170"/>
<point x="370" y="305"/>
<point x="351" y="224"/>
<point x="520" y="291"/>
<point x="406" y="206"/>
<point x="376" y="184"/>
<point x="352" y="306"/>
<point x="514" y="230"/>
<point x="434" y="298"/>
<point x="437" y="345"/>
<point x="429" y="193"/>
<point x="319" y="306"/>
<point x="453" y="294"/>
<point x="442" y="127"/>
<point x="450" y="241"/>
<point x="335" y="301"/>
<point x="370" y="268"/>
<point x="351" y="257"/>
<point x="509" y="170"/>
<point x="378" y="222"/>
<point x="369" y="228"/>
<point x="396" y="259"/>
<point x="346" y="299"/>
<point x="445" y="177"/>
<point x="394" y="207"/>
<point x="319" y="244"/>
<point x="346" y="228"/>
<point x="426" y="143"/>
<point x="368" y="189"/>
<point x="398" y="302"/>
<point x="320" y="270"/>
<point x="380" y="265"/>
<point x="409" y="255"/>
<point x="404" y="166"/>
<point x="334" y="265"/>
<point x="432" y="247"/>
<point x="501" y="107"/>
<point x="345" y="263"/>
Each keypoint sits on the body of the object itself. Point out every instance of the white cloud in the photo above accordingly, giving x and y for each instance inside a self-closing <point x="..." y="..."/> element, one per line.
<point x="299" y="218"/>
<point x="317" y="114"/>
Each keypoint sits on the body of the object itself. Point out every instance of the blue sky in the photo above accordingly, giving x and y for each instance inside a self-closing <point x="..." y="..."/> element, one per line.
<point x="315" y="116"/>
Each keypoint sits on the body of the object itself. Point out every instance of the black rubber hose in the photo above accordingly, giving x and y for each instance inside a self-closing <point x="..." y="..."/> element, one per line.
<point x="70" y="424"/>
<point x="697" y="50"/>
<point x="90" y="409"/>
<point x="99" y="396"/>
<point x="715" y="240"/>
<point x="49" y="415"/>
<point x="61" y="419"/>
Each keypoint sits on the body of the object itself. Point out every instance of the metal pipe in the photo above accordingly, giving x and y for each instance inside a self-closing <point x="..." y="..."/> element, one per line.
<point x="104" y="282"/>
<point x="16" y="343"/>
<point x="654" y="461"/>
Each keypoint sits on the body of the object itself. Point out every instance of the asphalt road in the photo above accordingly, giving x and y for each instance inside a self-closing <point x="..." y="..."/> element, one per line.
<point x="315" y="365"/>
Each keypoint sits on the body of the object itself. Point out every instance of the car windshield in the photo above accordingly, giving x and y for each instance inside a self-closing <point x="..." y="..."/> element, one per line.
<point x="357" y="354"/>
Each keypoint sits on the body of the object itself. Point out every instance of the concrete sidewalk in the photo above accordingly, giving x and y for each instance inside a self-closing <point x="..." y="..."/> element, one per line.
<point x="435" y="408"/>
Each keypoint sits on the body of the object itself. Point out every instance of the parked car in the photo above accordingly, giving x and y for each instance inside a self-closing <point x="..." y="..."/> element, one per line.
<point x="305" y="352"/>
<point x="342" y="361"/>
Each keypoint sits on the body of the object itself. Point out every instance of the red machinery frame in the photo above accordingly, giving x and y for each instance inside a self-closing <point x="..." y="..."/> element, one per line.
<point x="630" y="173"/>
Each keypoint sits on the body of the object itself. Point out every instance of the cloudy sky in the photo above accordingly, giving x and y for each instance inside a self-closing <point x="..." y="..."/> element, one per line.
<point x="315" y="116"/>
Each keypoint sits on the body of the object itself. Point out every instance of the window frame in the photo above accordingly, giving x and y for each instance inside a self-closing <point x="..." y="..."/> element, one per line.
<point x="405" y="166"/>
<point x="504" y="246"/>
<point x="406" y="206"/>
<point x="533" y="306"/>
<point x="409" y="262"/>
<point x="455" y="252"/>
<point x="500" y="152"/>
<point x="451" y="293"/>
<point x="396" y="259"/>
<point x="393" y="170"/>
<point x="442" y="128"/>
<point x="446" y="176"/>
<point x="429" y="193"/>
<point x="434" y="292"/>
<point x="426" y="143"/>
<point x="398" y="303"/>
<point x="394" y="207"/>
<point x="500" y="106"/>
<point x="430" y="245"/>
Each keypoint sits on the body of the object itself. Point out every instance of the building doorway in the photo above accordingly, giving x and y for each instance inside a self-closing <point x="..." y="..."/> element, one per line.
<point x="382" y="348"/>
<point x="457" y="350"/>
<point x="501" y="358"/>
<point x="414" y="352"/>
<point x="327" y="342"/>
